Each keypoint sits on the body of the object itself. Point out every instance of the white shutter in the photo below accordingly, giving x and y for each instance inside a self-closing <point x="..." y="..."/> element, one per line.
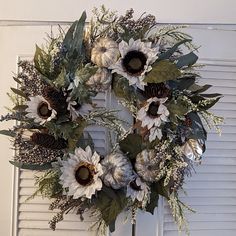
<point x="212" y="190"/>
<point x="33" y="215"/>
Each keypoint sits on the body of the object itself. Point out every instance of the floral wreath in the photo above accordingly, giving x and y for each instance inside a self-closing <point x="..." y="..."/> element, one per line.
<point x="144" y="66"/>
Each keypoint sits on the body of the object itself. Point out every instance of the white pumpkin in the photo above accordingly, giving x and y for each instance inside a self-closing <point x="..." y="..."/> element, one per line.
<point x="117" y="170"/>
<point x="105" y="52"/>
<point x="147" y="164"/>
<point x="101" y="80"/>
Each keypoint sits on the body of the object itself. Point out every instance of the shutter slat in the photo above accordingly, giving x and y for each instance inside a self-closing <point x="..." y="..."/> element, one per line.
<point x="211" y="191"/>
<point x="34" y="214"/>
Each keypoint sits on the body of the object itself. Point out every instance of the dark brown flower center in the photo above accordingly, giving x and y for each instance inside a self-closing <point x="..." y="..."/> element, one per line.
<point x="84" y="174"/>
<point x="43" y="110"/>
<point x="134" y="62"/>
<point x="103" y="49"/>
<point x="153" y="109"/>
<point x="134" y="186"/>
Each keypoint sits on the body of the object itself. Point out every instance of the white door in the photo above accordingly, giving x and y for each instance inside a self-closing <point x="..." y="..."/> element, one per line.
<point x="212" y="190"/>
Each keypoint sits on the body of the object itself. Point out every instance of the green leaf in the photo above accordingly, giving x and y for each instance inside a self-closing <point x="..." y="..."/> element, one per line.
<point x="110" y="207"/>
<point x="62" y="80"/>
<point x="197" y="129"/>
<point x="211" y="95"/>
<point x="211" y="104"/>
<point x="187" y="60"/>
<point x="162" y="71"/>
<point x="42" y="62"/>
<point x="132" y="145"/>
<point x="19" y="93"/>
<point x="17" y="80"/>
<point x="185" y="83"/>
<point x="177" y="110"/>
<point x="39" y="167"/>
<point x="195" y="88"/>
<point x="168" y="53"/>
<point x="122" y="89"/>
<point x="154" y="196"/>
<point x="9" y="133"/>
<point x="20" y="107"/>
<point x="73" y="42"/>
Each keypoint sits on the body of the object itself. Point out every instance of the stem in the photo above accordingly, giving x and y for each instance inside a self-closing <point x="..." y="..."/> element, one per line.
<point x="134" y="229"/>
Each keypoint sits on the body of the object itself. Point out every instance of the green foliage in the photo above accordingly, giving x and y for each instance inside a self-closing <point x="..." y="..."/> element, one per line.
<point x="186" y="60"/>
<point x="132" y="145"/>
<point x="122" y="89"/>
<point x="110" y="205"/>
<point x="80" y="92"/>
<point x="73" y="44"/>
<point x="42" y="62"/>
<point x="162" y="71"/>
<point x="167" y="54"/>
<point x="19" y="93"/>
<point x="62" y="80"/>
<point x="48" y="185"/>
<point x="67" y="130"/>
<point x="157" y="189"/>
<point x="9" y="132"/>
<point x="20" y="108"/>
<point x="195" y="88"/>
<point x="197" y="129"/>
<point x="177" y="109"/>
<point x="26" y="166"/>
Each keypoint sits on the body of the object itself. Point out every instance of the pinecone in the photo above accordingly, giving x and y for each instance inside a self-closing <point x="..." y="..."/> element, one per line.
<point x="56" y="99"/>
<point x="155" y="90"/>
<point x="48" y="141"/>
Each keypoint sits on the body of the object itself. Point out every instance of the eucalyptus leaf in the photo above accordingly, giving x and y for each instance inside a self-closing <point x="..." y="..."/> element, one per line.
<point x="169" y="52"/>
<point x="195" y="88"/>
<point x="38" y="167"/>
<point x="162" y="71"/>
<point x="182" y="83"/>
<point x="187" y="60"/>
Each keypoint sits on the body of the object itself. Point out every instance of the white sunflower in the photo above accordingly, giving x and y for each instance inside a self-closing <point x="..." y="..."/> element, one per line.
<point x="152" y="114"/>
<point x="136" y="59"/>
<point x="76" y="110"/>
<point x="40" y="110"/>
<point x="81" y="173"/>
<point x="138" y="190"/>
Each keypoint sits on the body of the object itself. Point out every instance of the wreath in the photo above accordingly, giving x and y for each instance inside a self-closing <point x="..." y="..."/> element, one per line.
<point x="147" y="69"/>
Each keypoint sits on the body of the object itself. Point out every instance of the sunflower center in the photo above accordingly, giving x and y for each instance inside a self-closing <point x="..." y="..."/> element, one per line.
<point x="134" y="186"/>
<point x="103" y="49"/>
<point x="84" y="174"/>
<point x="153" y="109"/>
<point x="44" y="111"/>
<point x="134" y="62"/>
